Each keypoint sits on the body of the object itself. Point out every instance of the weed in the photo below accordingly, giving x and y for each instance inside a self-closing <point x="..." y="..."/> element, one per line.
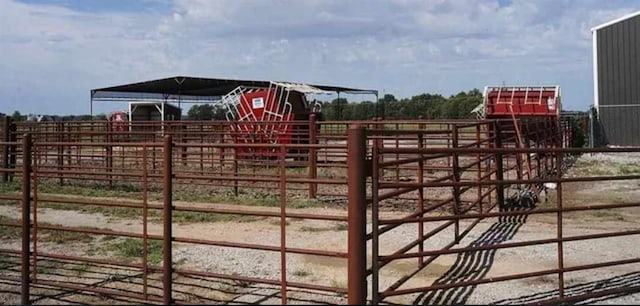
<point x="301" y="273"/>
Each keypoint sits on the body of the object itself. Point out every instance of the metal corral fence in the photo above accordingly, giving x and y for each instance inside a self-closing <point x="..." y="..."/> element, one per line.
<point x="445" y="175"/>
<point x="469" y="204"/>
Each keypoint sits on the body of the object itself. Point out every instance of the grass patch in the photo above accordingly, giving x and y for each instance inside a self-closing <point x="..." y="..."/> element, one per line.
<point x="628" y="169"/>
<point x="119" y="212"/>
<point x="7" y="261"/>
<point x="9" y="232"/>
<point x="190" y="216"/>
<point x="48" y="266"/>
<point x="277" y="222"/>
<point x="336" y="227"/>
<point x="607" y="214"/>
<point x="338" y="283"/>
<point x="45" y="235"/>
<point x="305" y="203"/>
<point x="131" y="248"/>
<point x="79" y="269"/>
<point x="62" y="237"/>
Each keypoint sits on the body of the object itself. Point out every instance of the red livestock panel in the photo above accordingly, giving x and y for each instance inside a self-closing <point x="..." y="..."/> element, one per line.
<point x="263" y="119"/>
<point x="522" y="101"/>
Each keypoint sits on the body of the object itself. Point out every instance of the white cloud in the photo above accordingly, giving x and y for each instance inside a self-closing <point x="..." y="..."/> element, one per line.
<point x="53" y="55"/>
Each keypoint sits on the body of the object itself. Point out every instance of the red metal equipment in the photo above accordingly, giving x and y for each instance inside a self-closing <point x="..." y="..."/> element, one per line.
<point x="267" y="116"/>
<point x="506" y="101"/>
<point x="118" y="121"/>
<point x="526" y="109"/>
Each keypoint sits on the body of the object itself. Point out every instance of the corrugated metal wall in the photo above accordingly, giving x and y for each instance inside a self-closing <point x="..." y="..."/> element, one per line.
<point x="618" y="52"/>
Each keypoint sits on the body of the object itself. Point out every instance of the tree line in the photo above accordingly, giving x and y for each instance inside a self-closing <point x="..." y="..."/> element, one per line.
<point x="426" y="106"/>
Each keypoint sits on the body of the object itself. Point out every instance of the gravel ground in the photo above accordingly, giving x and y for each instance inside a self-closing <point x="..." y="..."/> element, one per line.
<point x="324" y="235"/>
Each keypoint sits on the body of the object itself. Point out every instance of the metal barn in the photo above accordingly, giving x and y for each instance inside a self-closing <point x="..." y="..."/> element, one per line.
<point x="153" y="111"/>
<point x="616" y="76"/>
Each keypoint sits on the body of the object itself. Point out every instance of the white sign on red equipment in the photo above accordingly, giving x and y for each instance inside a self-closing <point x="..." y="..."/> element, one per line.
<point x="257" y="102"/>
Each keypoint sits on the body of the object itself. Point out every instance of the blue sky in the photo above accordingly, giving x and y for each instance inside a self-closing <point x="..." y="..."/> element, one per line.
<point x="54" y="52"/>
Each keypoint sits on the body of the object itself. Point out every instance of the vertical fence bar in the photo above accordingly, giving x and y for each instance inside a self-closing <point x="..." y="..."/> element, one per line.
<point x="499" y="166"/>
<point x="235" y="161"/>
<point x="479" y="168"/>
<point x="313" y="158"/>
<point x="397" y="143"/>
<point x="34" y="170"/>
<point x="60" y="150"/>
<point x="183" y="139"/>
<point x="166" y="218"/>
<point x="109" y="151"/>
<point x="357" y="221"/>
<point x="421" y="198"/>
<point x="13" y="151"/>
<point x="456" y="178"/>
<point x="375" y="236"/>
<point x="559" y="157"/>
<point x="26" y="217"/>
<point x="145" y="244"/>
<point x="283" y="223"/>
<point x="201" y="149"/>
<point x="6" y="137"/>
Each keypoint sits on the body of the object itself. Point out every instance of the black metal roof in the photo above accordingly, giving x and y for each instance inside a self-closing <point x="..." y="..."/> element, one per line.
<point x="196" y="87"/>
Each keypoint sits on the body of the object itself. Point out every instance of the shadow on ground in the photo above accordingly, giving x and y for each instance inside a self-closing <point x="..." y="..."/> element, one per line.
<point x="473" y="265"/>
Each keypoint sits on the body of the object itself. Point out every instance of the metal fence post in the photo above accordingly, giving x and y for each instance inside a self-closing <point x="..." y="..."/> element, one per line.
<point x="559" y="161"/>
<point x="6" y="137"/>
<point x="109" y="151"/>
<point x="313" y="162"/>
<point x="13" y="151"/>
<point x="499" y="166"/>
<point x="356" y="154"/>
<point x="26" y="217"/>
<point x="166" y="218"/>
<point x="455" y="165"/>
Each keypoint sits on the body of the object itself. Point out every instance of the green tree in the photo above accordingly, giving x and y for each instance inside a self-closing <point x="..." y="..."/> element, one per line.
<point x="16" y="116"/>
<point x="201" y="112"/>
